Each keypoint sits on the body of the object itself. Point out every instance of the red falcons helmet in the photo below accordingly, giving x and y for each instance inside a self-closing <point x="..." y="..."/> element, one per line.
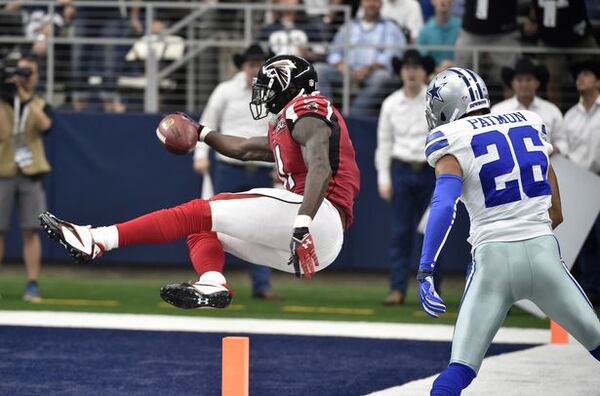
<point x="279" y="80"/>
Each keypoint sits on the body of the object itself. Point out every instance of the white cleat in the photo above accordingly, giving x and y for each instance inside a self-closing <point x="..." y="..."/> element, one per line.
<point x="76" y="239"/>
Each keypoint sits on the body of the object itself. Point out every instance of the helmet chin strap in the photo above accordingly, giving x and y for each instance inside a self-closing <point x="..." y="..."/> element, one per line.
<point x="300" y="93"/>
<point x="453" y="116"/>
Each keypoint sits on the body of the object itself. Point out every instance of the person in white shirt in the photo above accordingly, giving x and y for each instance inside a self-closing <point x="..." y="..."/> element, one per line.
<point x="526" y="79"/>
<point x="403" y="177"/>
<point x="582" y="132"/>
<point x="406" y="13"/>
<point x="227" y="110"/>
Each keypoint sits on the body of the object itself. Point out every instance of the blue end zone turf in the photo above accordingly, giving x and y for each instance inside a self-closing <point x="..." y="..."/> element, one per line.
<point x="115" y="362"/>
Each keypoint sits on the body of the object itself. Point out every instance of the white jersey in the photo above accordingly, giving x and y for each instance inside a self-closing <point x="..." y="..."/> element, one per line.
<point x="504" y="159"/>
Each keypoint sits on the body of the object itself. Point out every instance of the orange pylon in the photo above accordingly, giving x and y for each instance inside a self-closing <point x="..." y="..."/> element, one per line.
<point x="558" y="335"/>
<point x="236" y="366"/>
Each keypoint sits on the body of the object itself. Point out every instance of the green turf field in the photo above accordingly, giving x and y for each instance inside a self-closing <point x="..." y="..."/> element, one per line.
<point x="329" y="296"/>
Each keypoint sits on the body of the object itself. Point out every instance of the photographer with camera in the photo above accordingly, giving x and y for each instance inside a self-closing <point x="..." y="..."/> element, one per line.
<point x="24" y="118"/>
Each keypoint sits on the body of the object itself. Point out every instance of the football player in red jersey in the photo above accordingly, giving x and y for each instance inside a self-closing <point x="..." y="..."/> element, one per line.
<point x="299" y="229"/>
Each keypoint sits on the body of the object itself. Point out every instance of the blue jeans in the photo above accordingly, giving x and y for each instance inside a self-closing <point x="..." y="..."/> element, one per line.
<point x="589" y="263"/>
<point x="231" y="178"/>
<point x="412" y="194"/>
<point x="367" y="101"/>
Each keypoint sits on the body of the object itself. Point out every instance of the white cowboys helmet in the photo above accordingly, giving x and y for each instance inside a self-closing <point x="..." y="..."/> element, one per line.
<point x="453" y="93"/>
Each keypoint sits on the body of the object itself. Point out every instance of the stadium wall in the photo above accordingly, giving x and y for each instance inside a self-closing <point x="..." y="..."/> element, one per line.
<point x="107" y="168"/>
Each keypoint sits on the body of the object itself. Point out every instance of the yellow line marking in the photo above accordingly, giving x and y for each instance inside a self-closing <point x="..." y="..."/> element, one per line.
<point x="70" y="301"/>
<point x="328" y="310"/>
<point x="232" y="307"/>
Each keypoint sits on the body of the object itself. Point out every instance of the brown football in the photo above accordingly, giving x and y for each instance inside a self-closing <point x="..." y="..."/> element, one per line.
<point x="178" y="133"/>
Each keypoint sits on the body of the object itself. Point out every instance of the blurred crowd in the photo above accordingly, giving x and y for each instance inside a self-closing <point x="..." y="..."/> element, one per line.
<point x="100" y="63"/>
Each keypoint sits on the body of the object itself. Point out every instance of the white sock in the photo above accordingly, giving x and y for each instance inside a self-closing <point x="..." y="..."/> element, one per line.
<point x="213" y="277"/>
<point x="107" y="236"/>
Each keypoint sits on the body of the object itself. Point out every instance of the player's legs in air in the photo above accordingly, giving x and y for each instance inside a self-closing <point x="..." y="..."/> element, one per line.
<point x="255" y="226"/>
<point x="503" y="273"/>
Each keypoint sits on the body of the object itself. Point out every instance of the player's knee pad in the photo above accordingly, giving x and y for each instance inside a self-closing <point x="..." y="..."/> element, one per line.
<point x="453" y="380"/>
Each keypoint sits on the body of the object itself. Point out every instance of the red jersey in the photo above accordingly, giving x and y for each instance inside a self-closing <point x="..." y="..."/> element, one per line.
<point x="345" y="177"/>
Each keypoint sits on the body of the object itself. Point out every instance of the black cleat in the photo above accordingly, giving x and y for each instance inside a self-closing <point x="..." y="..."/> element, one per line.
<point x="197" y="295"/>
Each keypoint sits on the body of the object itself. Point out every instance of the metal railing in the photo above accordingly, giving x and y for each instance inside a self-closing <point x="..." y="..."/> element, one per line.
<point x="196" y="28"/>
<point x="208" y="41"/>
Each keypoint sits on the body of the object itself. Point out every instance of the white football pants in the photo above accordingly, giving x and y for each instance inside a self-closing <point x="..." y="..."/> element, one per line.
<point x="506" y="272"/>
<point x="259" y="229"/>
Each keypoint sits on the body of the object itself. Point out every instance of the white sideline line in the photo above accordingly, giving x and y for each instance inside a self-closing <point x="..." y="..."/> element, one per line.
<point x="256" y="326"/>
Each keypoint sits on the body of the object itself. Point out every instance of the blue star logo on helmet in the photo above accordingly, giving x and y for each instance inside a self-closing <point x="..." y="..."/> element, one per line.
<point x="434" y="92"/>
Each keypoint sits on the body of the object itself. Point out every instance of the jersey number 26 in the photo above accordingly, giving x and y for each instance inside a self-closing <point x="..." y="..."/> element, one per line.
<point x="533" y="165"/>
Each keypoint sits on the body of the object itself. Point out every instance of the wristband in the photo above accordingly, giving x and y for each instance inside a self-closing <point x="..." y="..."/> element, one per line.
<point x="205" y="131"/>
<point x="302" y="221"/>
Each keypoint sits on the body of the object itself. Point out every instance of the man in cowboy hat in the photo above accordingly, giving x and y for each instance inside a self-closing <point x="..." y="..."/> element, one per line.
<point x="403" y="177"/>
<point x="582" y="133"/>
<point x="526" y="79"/>
<point x="227" y="110"/>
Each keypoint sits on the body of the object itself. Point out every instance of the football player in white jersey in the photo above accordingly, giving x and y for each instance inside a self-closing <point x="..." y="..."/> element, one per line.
<point x="498" y="165"/>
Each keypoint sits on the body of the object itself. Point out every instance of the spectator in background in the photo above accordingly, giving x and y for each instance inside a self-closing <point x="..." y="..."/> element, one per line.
<point x="406" y="13"/>
<point x="582" y="131"/>
<point x="404" y="179"/>
<point x="38" y="28"/>
<point x="292" y="33"/>
<point x="488" y="23"/>
<point x="441" y="29"/>
<point x="317" y="9"/>
<point x="96" y="67"/>
<point x="457" y="10"/>
<point x="370" y="64"/>
<point x="334" y="19"/>
<point x="38" y="23"/>
<point x="227" y="109"/>
<point x="24" y="117"/>
<point x="35" y="24"/>
<point x="168" y="48"/>
<point x="526" y="79"/>
<point x="564" y="25"/>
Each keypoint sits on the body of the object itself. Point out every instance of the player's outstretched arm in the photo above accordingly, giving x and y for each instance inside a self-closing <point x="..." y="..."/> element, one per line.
<point x="555" y="211"/>
<point x="447" y="191"/>
<point x="313" y="135"/>
<point x="245" y="149"/>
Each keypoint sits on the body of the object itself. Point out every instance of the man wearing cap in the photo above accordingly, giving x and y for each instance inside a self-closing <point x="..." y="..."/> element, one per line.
<point x="525" y="79"/>
<point x="404" y="179"/>
<point x="582" y="133"/>
<point x="227" y="110"/>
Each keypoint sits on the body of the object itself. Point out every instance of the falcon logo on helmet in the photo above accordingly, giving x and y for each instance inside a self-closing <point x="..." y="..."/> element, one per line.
<point x="279" y="80"/>
<point x="280" y="70"/>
